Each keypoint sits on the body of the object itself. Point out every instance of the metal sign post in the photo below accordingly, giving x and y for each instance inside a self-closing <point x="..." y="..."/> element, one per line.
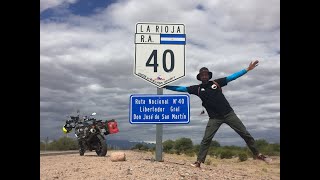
<point x="159" y="132"/>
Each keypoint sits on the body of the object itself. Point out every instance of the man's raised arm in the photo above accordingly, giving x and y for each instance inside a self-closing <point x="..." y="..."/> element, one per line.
<point x="238" y="74"/>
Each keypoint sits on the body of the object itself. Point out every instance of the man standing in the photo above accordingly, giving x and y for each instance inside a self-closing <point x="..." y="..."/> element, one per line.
<point x="219" y="110"/>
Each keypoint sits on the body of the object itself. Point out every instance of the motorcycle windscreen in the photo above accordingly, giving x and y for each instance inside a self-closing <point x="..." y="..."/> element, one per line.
<point x="113" y="127"/>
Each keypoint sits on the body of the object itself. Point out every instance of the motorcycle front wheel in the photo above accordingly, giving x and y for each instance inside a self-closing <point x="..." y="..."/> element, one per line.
<point x="102" y="148"/>
<point x="81" y="147"/>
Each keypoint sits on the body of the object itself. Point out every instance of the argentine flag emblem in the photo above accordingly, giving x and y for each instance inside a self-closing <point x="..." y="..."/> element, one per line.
<point x="173" y="39"/>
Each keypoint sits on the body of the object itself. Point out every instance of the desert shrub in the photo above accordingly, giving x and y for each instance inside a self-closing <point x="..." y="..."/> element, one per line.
<point x="215" y="143"/>
<point x="168" y="145"/>
<point x="138" y="146"/>
<point x="63" y="143"/>
<point x="171" y="151"/>
<point x="189" y="153"/>
<point x="215" y="152"/>
<point x="144" y="148"/>
<point x="196" y="148"/>
<point x="242" y="156"/>
<point x="261" y="144"/>
<point x="182" y="145"/>
<point x="208" y="161"/>
<point x="275" y="147"/>
<point x="227" y="154"/>
<point x="271" y="150"/>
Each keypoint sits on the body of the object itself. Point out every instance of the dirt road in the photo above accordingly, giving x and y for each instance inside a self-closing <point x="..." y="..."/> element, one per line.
<point x="141" y="166"/>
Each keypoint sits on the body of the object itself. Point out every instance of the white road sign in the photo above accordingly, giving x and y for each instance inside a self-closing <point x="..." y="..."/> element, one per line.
<point x="160" y="52"/>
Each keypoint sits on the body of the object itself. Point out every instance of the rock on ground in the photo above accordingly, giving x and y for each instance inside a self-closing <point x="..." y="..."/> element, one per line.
<point x="118" y="156"/>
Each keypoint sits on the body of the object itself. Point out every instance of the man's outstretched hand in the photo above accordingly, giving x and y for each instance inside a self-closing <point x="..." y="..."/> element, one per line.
<point x="252" y="65"/>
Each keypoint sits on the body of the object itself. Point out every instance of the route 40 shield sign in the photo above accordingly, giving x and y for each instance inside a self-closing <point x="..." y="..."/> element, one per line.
<point x="160" y="52"/>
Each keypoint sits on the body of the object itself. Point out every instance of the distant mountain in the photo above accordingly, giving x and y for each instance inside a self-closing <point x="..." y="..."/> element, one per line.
<point x="125" y="144"/>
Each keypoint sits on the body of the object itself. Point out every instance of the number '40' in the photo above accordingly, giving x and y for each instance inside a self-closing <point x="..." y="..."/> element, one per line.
<point x="155" y="65"/>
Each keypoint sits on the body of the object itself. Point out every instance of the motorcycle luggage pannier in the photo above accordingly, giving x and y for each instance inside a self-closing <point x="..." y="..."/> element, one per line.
<point x="112" y="126"/>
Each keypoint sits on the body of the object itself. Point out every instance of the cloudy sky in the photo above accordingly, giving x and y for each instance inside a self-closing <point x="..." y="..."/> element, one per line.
<point x="87" y="57"/>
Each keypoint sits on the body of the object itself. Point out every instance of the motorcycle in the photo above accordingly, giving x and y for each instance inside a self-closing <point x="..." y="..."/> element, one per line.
<point x="91" y="133"/>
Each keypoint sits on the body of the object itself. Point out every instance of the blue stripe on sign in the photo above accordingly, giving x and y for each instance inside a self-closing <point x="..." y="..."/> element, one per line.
<point x="172" y="42"/>
<point x="173" y="35"/>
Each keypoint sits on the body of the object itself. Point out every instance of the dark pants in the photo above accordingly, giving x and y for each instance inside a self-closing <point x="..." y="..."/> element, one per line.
<point x="212" y="127"/>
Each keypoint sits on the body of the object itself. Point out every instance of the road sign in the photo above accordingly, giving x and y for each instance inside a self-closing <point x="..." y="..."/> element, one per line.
<point x="160" y="109"/>
<point x="160" y="52"/>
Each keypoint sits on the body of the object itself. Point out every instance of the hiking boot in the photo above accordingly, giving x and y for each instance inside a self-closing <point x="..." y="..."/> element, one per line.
<point x="263" y="158"/>
<point x="196" y="164"/>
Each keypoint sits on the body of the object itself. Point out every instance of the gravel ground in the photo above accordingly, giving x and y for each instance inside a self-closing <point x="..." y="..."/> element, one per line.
<point x="141" y="166"/>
